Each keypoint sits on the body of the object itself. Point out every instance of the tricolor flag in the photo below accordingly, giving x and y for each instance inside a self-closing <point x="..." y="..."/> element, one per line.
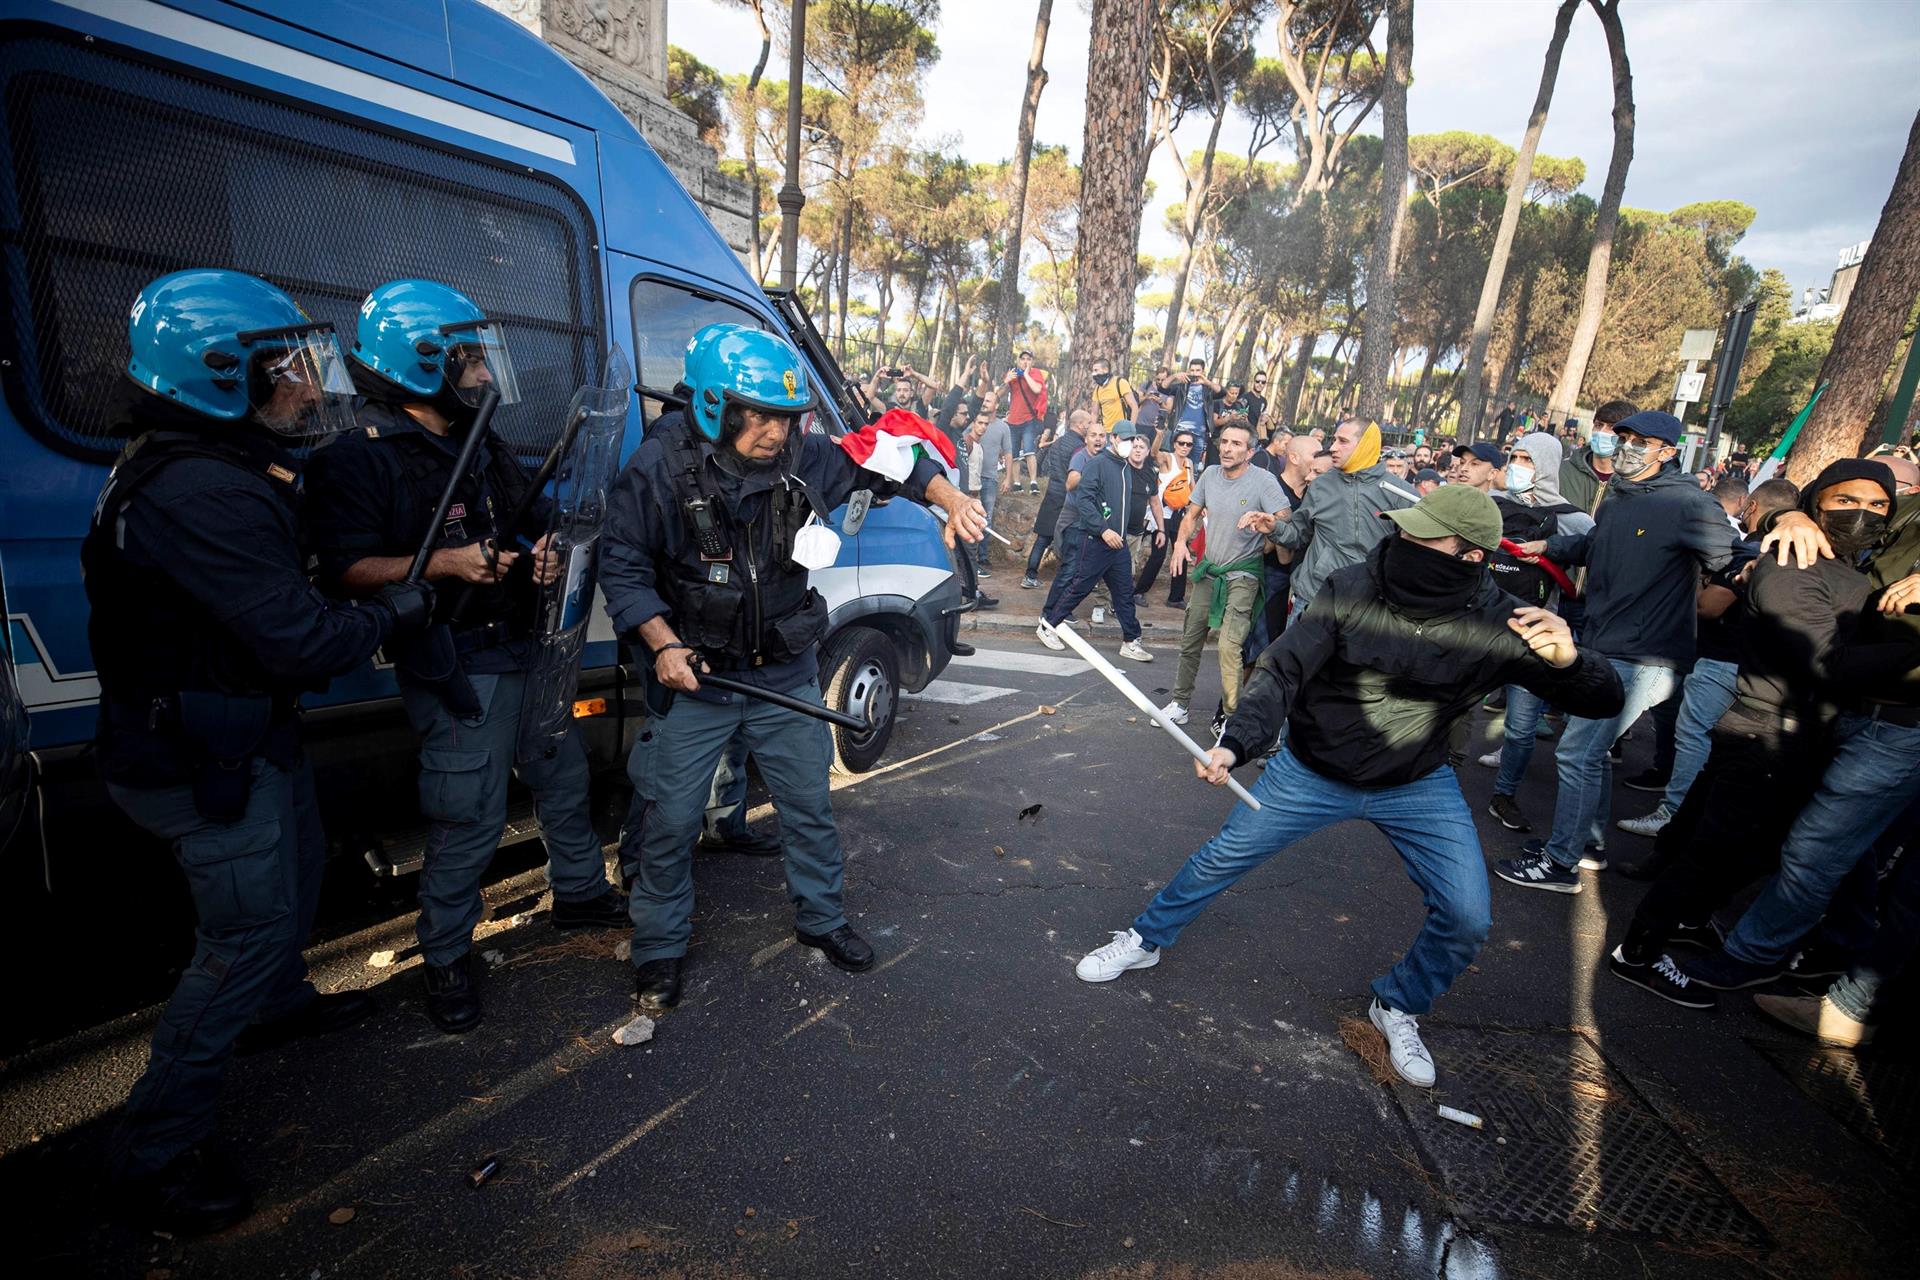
<point x="1766" y="470"/>
<point x="890" y="446"/>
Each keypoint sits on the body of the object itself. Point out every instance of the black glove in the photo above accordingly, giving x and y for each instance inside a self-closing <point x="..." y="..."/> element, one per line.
<point x="411" y="604"/>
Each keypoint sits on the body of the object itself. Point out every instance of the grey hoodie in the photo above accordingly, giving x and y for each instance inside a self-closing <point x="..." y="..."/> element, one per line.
<point x="1547" y="452"/>
<point x="1338" y="522"/>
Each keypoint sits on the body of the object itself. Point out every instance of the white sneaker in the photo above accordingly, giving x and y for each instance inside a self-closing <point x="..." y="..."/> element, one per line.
<point x="1174" y="712"/>
<point x="1135" y="650"/>
<point x="1126" y="951"/>
<point x="1491" y="760"/>
<point x="1649" y="825"/>
<point x="1411" y="1061"/>
<point x="1047" y="637"/>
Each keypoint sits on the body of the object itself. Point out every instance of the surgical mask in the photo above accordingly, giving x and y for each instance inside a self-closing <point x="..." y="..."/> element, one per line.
<point x="815" y="546"/>
<point x="1519" y="478"/>
<point x="1604" y="443"/>
<point x="1633" y="458"/>
<point x="1852" y="531"/>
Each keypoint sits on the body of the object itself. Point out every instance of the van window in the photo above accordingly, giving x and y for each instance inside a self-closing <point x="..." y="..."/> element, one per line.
<point x="123" y="170"/>
<point x="666" y="315"/>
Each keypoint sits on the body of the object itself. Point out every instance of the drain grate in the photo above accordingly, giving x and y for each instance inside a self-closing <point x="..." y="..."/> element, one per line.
<point x="1582" y="1149"/>
<point x="1876" y="1098"/>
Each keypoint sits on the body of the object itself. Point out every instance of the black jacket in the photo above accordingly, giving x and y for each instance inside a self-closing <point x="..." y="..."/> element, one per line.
<point x="1650" y="543"/>
<point x="1369" y="693"/>
<point x="1105" y="495"/>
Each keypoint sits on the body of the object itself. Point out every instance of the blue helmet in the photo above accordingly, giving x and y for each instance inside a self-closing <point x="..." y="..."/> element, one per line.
<point x="738" y="364"/>
<point x="232" y="347"/>
<point x="432" y="340"/>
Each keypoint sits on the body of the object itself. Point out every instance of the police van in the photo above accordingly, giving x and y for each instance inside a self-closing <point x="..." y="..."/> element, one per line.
<point x="328" y="148"/>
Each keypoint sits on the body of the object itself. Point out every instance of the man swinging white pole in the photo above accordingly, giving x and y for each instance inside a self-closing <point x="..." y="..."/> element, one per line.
<point x="1119" y="681"/>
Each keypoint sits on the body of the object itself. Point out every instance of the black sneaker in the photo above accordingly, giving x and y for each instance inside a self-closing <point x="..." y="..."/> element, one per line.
<point x="1593" y="858"/>
<point x="1507" y="810"/>
<point x="1648" y="780"/>
<point x="1218" y="725"/>
<point x="1538" y="871"/>
<point x="197" y="1193"/>
<point x="1708" y="936"/>
<point x="986" y="601"/>
<point x="1723" y="972"/>
<point x="1664" y="978"/>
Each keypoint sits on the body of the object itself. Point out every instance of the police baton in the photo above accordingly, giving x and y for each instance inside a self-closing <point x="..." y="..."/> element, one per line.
<point x="510" y="528"/>
<point x="489" y="401"/>
<point x="726" y="685"/>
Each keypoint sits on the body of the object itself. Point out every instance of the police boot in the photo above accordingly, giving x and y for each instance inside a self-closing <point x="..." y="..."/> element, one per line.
<point x="746" y="841"/>
<point x="452" y="1001"/>
<point x="606" y="911"/>
<point x="316" y="1017"/>
<point x="657" y="983"/>
<point x="195" y="1193"/>
<point x="847" y="949"/>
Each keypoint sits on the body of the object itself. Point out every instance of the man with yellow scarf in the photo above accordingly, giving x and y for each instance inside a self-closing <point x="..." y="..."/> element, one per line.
<point x="1338" y="522"/>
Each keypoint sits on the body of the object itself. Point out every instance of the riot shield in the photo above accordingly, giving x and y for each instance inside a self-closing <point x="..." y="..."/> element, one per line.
<point x="586" y="460"/>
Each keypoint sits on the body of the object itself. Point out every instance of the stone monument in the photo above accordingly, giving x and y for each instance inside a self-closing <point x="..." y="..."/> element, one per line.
<point x="621" y="45"/>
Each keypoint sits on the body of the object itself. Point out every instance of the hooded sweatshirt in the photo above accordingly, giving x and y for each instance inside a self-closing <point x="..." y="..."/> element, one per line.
<point x="1582" y="485"/>
<point x="1531" y="515"/>
<point x="1365" y="453"/>
<point x="1338" y="520"/>
<point x="1651" y="541"/>
<point x="1807" y="646"/>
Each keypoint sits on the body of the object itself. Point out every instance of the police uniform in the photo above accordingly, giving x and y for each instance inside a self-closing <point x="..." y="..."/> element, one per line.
<point x="205" y="630"/>
<point x="371" y="494"/>
<point x="742" y="604"/>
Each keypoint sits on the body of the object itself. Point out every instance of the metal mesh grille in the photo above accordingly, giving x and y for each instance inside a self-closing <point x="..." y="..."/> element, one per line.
<point x="1876" y="1097"/>
<point x="1582" y="1149"/>
<point x="122" y="171"/>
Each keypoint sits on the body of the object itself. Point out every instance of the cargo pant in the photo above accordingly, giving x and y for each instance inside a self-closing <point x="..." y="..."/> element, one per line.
<point x="464" y="768"/>
<point x="1242" y="590"/>
<point x="255" y="885"/>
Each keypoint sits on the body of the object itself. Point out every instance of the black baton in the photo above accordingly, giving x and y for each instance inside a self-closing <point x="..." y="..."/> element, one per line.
<point x="489" y="401"/>
<point x="786" y="700"/>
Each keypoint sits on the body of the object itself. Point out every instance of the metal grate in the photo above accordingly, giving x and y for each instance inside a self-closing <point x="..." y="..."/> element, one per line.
<point x="122" y="170"/>
<point x="1582" y="1149"/>
<point x="1875" y="1097"/>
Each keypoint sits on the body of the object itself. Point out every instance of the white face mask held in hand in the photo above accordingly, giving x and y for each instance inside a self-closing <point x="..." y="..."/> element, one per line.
<point x="816" y="546"/>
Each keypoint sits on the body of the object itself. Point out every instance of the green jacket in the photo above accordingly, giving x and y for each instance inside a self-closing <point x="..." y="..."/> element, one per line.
<point x="1580" y="484"/>
<point x="1897" y="557"/>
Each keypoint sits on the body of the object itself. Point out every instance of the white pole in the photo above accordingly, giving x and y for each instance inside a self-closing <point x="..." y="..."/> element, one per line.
<point x="940" y="514"/>
<point x="1119" y="681"/>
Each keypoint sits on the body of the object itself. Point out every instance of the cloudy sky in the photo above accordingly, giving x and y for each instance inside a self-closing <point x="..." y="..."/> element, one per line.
<point x="1800" y="110"/>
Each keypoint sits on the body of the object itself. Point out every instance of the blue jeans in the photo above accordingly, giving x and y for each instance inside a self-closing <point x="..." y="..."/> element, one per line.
<point x="255" y="886"/>
<point x="1522" y="725"/>
<point x="1097" y="562"/>
<point x="1705" y="695"/>
<point x="1581" y="808"/>
<point x="1427" y="821"/>
<point x="1068" y="549"/>
<point x="1869" y="780"/>
<point x="464" y="766"/>
<point x="1894" y="944"/>
<point x="793" y="752"/>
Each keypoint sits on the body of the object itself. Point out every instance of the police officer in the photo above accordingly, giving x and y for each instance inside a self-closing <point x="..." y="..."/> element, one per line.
<point x="698" y="568"/>
<point x="205" y="631"/>
<point x="423" y="356"/>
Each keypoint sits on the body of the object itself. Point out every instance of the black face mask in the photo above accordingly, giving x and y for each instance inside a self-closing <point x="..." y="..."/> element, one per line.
<point x="1101" y="379"/>
<point x="1852" y="532"/>
<point x="1425" y="583"/>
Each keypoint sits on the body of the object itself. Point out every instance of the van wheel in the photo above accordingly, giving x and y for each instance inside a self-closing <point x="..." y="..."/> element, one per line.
<point x="861" y="677"/>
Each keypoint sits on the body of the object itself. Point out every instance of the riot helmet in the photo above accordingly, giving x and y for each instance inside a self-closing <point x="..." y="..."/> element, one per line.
<point x="433" y="343"/>
<point x="736" y="365"/>
<point x="231" y="347"/>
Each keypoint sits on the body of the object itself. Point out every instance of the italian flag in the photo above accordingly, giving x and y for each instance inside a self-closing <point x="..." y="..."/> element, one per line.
<point x="890" y="446"/>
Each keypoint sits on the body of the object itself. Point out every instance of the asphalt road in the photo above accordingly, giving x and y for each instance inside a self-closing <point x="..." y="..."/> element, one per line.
<point x="970" y="1108"/>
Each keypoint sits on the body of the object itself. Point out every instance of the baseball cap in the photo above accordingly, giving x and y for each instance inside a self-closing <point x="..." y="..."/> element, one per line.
<point x="1482" y="450"/>
<point x="1452" y="509"/>
<point x="1427" y="473"/>
<point x="1653" y="424"/>
<point x="1123" y="430"/>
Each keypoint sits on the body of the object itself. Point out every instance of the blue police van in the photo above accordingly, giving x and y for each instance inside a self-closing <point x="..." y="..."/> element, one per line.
<point x="327" y="148"/>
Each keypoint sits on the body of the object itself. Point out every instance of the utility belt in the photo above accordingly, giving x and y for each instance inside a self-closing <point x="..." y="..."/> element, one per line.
<point x="1905" y="717"/>
<point x="222" y="735"/>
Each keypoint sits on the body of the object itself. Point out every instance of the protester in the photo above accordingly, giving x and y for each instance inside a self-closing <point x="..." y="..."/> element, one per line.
<point x="1150" y="416"/>
<point x="991" y="439"/>
<point x="1476" y="466"/>
<point x="1426" y="480"/>
<point x="1229" y="410"/>
<point x="1653" y="537"/>
<point x="1227" y="581"/>
<point x="1803" y="649"/>
<point x="1323" y="461"/>
<point x="1026" y="385"/>
<point x="1256" y="399"/>
<point x="1055" y="467"/>
<point x="1393" y="651"/>
<point x="1109" y="509"/>
<point x="1191" y="397"/>
<point x="1397" y="465"/>
<point x="1176" y="491"/>
<point x="1272" y="458"/>
<point x="1708" y="689"/>
<point x="1067" y="537"/>
<point x="1422" y="457"/>
<point x="1113" y="398"/>
<point x="1585" y="473"/>
<point x="958" y="404"/>
<point x="1338" y="522"/>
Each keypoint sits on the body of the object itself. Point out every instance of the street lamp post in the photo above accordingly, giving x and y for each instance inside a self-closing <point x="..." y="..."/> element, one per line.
<point x="792" y="198"/>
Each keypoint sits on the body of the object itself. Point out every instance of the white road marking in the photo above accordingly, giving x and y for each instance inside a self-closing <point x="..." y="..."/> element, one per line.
<point x="955" y="694"/>
<point x="647" y="1126"/>
<point x="1038" y="664"/>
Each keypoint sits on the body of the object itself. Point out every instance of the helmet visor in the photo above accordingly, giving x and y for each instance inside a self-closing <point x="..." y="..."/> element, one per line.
<point x="477" y="357"/>
<point x="298" y="385"/>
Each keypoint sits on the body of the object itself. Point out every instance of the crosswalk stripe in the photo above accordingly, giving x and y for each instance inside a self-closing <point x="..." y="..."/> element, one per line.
<point x="1038" y="664"/>
<point x="955" y="694"/>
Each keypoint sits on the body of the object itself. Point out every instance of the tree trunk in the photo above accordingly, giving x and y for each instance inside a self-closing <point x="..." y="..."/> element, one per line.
<point x="846" y="267"/>
<point x="1017" y="197"/>
<point x="938" y="344"/>
<point x="1847" y="418"/>
<point x="1471" y="373"/>
<point x="1106" y="278"/>
<point x="1420" y="391"/>
<point x="1302" y="366"/>
<point x="752" y="130"/>
<point x="1510" y="367"/>
<point x="1190" y="234"/>
<point x="1376" y="349"/>
<point x="1566" y="393"/>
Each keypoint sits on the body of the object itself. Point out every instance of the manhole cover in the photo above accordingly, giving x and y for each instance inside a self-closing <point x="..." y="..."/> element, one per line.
<point x="1872" y="1096"/>
<point x="1582" y="1150"/>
